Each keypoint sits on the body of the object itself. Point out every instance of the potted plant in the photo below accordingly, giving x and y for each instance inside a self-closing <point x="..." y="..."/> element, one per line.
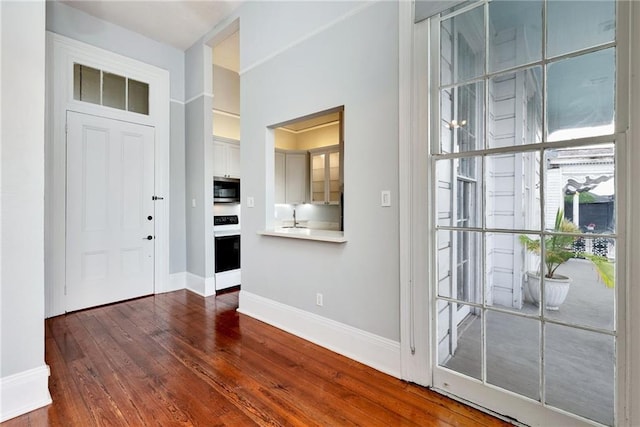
<point x="559" y="249"/>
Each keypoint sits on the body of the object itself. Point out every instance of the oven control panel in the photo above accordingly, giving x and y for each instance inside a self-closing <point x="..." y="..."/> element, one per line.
<point x="225" y="220"/>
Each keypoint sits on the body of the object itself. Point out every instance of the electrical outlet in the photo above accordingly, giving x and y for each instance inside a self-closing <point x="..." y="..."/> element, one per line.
<point x="319" y="301"/>
<point x="385" y="198"/>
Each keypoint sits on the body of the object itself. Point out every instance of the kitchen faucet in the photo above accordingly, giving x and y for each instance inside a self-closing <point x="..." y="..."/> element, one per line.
<point x="296" y="224"/>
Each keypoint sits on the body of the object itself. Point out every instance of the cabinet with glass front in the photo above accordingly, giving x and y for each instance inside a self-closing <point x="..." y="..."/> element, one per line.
<point x="325" y="175"/>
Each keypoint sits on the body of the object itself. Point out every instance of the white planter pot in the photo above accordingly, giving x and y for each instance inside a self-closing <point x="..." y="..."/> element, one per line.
<point x="555" y="290"/>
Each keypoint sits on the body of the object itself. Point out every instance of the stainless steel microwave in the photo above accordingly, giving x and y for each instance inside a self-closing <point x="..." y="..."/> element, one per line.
<point x="226" y="190"/>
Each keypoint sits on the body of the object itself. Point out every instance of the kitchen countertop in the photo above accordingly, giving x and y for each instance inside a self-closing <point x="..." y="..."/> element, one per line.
<point x="306" y="234"/>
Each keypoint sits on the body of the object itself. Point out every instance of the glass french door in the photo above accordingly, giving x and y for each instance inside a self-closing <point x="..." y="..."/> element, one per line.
<point x="525" y="140"/>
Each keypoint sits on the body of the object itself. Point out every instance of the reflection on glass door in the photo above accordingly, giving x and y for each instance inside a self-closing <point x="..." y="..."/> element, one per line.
<point x="524" y="155"/>
<point x="466" y="243"/>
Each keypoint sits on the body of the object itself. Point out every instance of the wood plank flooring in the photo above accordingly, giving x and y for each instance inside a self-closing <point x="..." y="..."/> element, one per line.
<point x="180" y="359"/>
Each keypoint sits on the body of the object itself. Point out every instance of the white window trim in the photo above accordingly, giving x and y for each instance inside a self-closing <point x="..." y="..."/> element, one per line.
<point x="413" y="202"/>
<point x="62" y="53"/>
<point x="631" y="369"/>
<point x="414" y="211"/>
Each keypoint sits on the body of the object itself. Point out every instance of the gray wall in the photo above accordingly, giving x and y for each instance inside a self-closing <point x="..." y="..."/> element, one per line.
<point x="75" y="24"/>
<point x="22" y="54"/>
<point x="177" y="250"/>
<point x="78" y="25"/>
<point x="269" y="26"/>
<point x="199" y="158"/>
<point x="352" y="63"/>
<point x="195" y="218"/>
<point x="177" y="227"/>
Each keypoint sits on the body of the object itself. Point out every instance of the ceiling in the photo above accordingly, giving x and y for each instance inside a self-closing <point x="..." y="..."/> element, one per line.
<point x="179" y="23"/>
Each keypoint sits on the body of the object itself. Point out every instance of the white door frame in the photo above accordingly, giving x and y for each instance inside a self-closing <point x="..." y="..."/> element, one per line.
<point x="62" y="53"/>
<point x="415" y="325"/>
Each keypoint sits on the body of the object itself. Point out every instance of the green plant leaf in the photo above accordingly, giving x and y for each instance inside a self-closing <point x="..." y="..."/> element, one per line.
<point x="559" y="249"/>
<point x="604" y="268"/>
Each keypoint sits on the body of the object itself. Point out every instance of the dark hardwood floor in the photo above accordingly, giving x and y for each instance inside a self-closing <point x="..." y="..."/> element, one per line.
<point x="180" y="359"/>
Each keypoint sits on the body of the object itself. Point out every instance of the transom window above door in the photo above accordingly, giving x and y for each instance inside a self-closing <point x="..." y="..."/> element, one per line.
<point x="110" y="90"/>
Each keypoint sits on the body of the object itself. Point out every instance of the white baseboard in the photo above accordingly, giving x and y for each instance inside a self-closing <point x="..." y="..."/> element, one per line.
<point x="372" y="350"/>
<point x="202" y="286"/>
<point x="23" y="392"/>
<point x="177" y="281"/>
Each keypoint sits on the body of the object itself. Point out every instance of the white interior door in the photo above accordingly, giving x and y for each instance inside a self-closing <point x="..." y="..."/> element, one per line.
<point x="110" y="211"/>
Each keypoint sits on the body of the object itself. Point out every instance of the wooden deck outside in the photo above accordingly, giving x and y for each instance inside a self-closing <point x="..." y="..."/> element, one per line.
<point x="180" y="359"/>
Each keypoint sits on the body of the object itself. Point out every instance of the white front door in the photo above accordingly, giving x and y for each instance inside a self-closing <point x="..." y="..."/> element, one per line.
<point x="110" y="211"/>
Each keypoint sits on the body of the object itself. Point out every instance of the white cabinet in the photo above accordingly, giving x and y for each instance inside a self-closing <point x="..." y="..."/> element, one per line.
<point x="296" y="178"/>
<point x="290" y="177"/>
<point x="325" y="175"/>
<point x="226" y="158"/>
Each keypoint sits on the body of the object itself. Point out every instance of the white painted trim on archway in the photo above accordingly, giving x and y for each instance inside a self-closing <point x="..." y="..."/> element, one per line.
<point x="62" y="52"/>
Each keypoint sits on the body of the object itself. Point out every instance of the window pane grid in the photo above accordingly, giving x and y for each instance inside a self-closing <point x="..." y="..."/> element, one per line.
<point x="612" y="138"/>
<point x="464" y="123"/>
<point x="490" y="308"/>
<point x="522" y="67"/>
<point x="469" y="118"/>
<point x="110" y="90"/>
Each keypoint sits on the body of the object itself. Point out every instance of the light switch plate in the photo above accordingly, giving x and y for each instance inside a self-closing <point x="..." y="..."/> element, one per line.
<point x="250" y="202"/>
<point x="193" y="203"/>
<point x="385" y="198"/>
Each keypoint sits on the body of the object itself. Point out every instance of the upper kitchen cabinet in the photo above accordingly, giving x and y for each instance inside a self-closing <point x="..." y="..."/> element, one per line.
<point x="226" y="158"/>
<point x="291" y="176"/>
<point x="325" y="182"/>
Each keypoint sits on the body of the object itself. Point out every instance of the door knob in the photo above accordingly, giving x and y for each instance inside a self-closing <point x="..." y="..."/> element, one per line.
<point x="149" y="217"/>
<point x="148" y="238"/>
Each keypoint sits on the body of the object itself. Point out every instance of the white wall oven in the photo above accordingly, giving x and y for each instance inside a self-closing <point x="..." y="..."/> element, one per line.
<point x="226" y="230"/>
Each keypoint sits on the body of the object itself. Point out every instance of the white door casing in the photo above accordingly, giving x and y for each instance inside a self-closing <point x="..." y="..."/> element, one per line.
<point x="62" y="53"/>
<point x="110" y="169"/>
